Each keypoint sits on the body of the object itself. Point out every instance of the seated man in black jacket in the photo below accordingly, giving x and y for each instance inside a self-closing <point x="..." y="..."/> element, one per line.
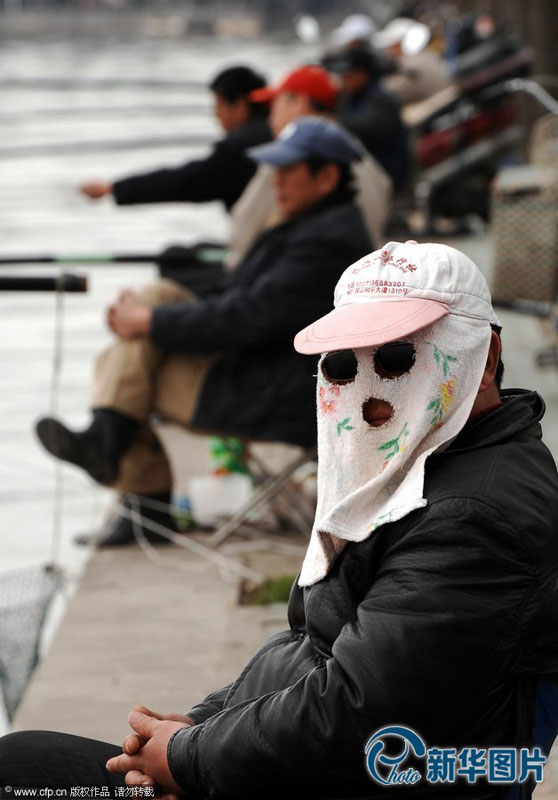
<point x="225" y="363"/>
<point x="369" y="111"/>
<point x="427" y="602"/>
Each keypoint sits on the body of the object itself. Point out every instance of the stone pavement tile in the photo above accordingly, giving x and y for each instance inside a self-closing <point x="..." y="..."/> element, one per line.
<point x="139" y="632"/>
<point x="548" y="789"/>
<point x="545" y="792"/>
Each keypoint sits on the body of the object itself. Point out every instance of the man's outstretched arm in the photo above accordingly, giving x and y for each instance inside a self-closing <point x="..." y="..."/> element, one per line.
<point x="223" y="176"/>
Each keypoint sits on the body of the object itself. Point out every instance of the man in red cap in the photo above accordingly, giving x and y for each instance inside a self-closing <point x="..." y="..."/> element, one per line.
<point x="306" y="91"/>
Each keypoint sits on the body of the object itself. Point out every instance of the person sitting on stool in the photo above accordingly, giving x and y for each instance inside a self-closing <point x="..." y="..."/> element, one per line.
<point x="224" y="363"/>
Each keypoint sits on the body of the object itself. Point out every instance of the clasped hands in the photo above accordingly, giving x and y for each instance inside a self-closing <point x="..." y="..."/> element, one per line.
<point x="144" y="757"/>
<point x="128" y="316"/>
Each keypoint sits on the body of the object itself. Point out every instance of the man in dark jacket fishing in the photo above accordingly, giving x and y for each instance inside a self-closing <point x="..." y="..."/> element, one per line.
<point x="426" y="608"/>
<point x="224" y="174"/>
<point x="225" y="363"/>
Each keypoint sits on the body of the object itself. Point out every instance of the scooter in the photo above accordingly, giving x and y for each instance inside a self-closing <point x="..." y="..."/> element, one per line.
<point x="462" y="136"/>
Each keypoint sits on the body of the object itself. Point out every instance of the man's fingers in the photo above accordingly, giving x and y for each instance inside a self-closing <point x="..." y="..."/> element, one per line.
<point x="122" y="763"/>
<point x="138" y="778"/>
<point x="142" y="723"/>
<point x="173" y="716"/>
<point x="148" y="711"/>
<point x="96" y="190"/>
<point x="132" y="744"/>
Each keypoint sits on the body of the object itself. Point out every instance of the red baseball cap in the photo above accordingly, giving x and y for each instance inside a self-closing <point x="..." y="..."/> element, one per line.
<point x="310" y="80"/>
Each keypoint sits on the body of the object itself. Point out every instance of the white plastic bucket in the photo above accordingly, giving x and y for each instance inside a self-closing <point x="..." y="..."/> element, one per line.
<point x="216" y="496"/>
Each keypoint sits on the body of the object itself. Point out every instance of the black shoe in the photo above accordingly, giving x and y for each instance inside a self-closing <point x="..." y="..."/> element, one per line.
<point x="77" y="449"/>
<point x="120" y="529"/>
<point x="98" y="449"/>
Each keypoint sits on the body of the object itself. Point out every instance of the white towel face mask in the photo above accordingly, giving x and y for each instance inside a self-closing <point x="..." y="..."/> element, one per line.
<point x="369" y="476"/>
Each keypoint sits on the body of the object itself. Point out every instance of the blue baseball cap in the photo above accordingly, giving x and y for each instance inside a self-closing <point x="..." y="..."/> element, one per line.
<point x="309" y="137"/>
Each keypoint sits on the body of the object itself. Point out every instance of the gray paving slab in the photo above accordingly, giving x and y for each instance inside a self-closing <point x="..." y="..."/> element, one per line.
<point x="140" y="632"/>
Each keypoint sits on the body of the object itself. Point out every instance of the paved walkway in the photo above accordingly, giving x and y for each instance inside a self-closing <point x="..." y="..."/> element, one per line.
<point x="159" y="634"/>
<point x="137" y="631"/>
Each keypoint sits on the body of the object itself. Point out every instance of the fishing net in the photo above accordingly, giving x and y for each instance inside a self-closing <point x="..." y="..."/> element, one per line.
<point x="25" y="596"/>
<point x="525" y="234"/>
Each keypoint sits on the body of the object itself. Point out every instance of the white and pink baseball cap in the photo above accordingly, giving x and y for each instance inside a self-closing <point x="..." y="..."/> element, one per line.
<point x="396" y="291"/>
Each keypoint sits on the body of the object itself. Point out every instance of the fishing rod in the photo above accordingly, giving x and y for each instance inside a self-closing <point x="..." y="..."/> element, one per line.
<point x="206" y="254"/>
<point x="31" y="283"/>
<point x="66" y="148"/>
<point x="139" y="258"/>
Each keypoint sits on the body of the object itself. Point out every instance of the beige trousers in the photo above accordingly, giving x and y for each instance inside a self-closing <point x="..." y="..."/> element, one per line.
<point x="137" y="378"/>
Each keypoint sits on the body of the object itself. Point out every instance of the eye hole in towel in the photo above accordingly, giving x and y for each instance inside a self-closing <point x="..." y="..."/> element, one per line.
<point x="340" y="367"/>
<point x="394" y="359"/>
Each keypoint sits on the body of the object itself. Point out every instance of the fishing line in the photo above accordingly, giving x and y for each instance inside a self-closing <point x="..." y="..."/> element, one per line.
<point x="228" y="567"/>
<point x="54" y="398"/>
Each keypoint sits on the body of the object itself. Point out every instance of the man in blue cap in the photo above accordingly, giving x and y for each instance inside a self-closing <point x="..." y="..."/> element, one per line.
<point x="225" y="363"/>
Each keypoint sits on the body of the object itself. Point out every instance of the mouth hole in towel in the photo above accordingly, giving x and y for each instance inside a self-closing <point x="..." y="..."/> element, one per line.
<point x="376" y="412"/>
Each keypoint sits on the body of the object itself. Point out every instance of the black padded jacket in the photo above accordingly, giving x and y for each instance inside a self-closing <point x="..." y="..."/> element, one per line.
<point x="222" y="175"/>
<point x="434" y="622"/>
<point x="259" y="387"/>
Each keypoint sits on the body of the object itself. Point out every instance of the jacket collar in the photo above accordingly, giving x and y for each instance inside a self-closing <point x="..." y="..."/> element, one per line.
<point x="336" y="198"/>
<point x="520" y="410"/>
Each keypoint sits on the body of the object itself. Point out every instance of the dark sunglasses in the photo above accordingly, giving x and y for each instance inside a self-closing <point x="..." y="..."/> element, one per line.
<point x="391" y="360"/>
